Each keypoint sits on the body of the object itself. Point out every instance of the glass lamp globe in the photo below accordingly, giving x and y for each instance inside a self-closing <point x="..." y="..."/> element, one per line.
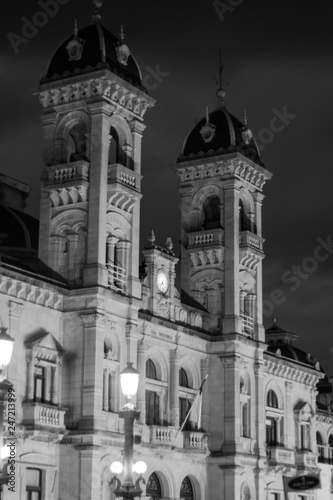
<point x="129" y="381"/>
<point x="116" y="467"/>
<point x="140" y="467"/>
<point x="6" y="348"/>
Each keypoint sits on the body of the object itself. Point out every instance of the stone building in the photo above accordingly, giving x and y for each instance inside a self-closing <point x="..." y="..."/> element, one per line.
<point x="79" y="306"/>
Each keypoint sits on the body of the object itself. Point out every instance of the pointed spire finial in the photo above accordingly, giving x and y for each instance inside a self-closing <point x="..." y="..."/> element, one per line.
<point x="207" y="115"/>
<point x="245" y="118"/>
<point x="122" y="34"/>
<point x="151" y="237"/>
<point x="220" y="91"/>
<point x="96" y="16"/>
<point x="75" y="29"/>
<point x="169" y="244"/>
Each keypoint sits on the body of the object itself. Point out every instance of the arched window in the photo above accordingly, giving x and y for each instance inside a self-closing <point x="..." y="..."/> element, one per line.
<point x="152" y="396"/>
<point x="151" y="369"/>
<point x="186" y="489"/>
<point x="272" y="399"/>
<point x="77" y="143"/>
<point x="211" y="212"/>
<point x="243" y="221"/>
<point x="330" y="449"/>
<point x="320" y="448"/>
<point x="245" y="495"/>
<point x="274" y="420"/>
<point x="154" y="488"/>
<point x="114" y="147"/>
<point x="183" y="380"/>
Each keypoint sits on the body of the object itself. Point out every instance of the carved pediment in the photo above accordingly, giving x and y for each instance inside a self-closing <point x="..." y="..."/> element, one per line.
<point x="44" y="342"/>
<point x="303" y="411"/>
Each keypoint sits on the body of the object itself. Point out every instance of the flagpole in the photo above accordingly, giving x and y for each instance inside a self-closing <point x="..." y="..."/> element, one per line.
<point x="189" y="411"/>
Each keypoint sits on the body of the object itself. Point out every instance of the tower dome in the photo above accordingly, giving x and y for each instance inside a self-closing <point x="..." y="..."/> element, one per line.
<point x="219" y="132"/>
<point x="93" y="48"/>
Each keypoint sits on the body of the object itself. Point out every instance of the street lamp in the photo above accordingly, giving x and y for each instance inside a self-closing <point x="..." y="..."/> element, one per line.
<point x="129" y="380"/>
<point x="6" y="350"/>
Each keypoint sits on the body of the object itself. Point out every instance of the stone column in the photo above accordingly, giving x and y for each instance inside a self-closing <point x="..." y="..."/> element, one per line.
<point x="141" y="396"/>
<point x="55" y="385"/>
<point x="105" y="389"/>
<point x="174" y="387"/>
<point x="92" y="386"/>
<point x="95" y="272"/>
<point x="259" y="328"/>
<point x="30" y="375"/>
<point x="72" y="249"/>
<point x="15" y="313"/>
<point x="288" y="417"/>
<point x="231" y="321"/>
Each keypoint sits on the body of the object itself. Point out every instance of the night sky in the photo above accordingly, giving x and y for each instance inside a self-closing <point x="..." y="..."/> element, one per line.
<point x="278" y="60"/>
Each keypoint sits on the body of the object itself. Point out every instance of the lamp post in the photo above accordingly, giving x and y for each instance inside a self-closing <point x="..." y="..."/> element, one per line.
<point x="129" y="380"/>
<point x="6" y="350"/>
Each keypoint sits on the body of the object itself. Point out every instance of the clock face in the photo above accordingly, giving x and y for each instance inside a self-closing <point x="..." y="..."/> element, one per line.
<point x="162" y="282"/>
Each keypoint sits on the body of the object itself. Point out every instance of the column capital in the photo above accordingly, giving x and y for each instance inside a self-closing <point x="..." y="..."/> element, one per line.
<point x="94" y="319"/>
<point x="15" y="308"/>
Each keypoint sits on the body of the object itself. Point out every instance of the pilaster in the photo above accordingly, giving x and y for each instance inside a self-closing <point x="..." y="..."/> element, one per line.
<point x="95" y="271"/>
<point x="231" y="321"/>
<point x="93" y="349"/>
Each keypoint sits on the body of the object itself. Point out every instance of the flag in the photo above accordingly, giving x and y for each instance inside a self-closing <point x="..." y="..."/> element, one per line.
<point x="194" y="412"/>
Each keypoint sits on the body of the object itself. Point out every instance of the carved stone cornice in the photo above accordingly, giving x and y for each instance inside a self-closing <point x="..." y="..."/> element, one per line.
<point x="95" y="319"/>
<point x="31" y="293"/>
<point x="295" y="374"/>
<point x="123" y="95"/>
<point x="242" y="169"/>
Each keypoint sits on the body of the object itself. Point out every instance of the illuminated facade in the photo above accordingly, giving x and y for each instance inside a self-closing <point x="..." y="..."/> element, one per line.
<point x="83" y="307"/>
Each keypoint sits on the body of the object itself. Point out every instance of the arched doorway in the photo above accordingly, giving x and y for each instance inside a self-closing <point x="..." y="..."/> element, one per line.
<point x="186" y="489"/>
<point x="154" y="487"/>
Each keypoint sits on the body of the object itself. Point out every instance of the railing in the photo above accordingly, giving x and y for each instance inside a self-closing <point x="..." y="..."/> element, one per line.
<point x="247" y="323"/>
<point x="305" y="458"/>
<point x="248" y="239"/>
<point x="203" y="239"/>
<point x="162" y="435"/>
<point x="43" y="414"/>
<point x="120" y="173"/>
<point x="78" y="170"/>
<point x="195" y="440"/>
<point x="279" y="455"/>
<point x="116" y="276"/>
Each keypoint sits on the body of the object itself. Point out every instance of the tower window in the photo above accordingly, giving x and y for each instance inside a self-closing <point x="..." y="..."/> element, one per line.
<point x="151" y="370"/>
<point x="183" y="380"/>
<point x="211" y="213"/>
<point x="272" y="399"/>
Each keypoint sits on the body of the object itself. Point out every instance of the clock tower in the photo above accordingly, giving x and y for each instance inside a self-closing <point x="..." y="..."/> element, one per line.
<point x="159" y="292"/>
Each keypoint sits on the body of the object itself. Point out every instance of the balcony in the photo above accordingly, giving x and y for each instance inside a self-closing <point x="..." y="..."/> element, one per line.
<point x="165" y="436"/>
<point x="67" y="172"/>
<point x="118" y="173"/>
<point x="116" y="277"/>
<point x="205" y="238"/>
<point x="162" y="435"/>
<point x="41" y="414"/>
<point x="248" y="323"/>
<point x="250" y="240"/>
<point x="305" y="458"/>
<point x="195" y="440"/>
<point x="277" y="455"/>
